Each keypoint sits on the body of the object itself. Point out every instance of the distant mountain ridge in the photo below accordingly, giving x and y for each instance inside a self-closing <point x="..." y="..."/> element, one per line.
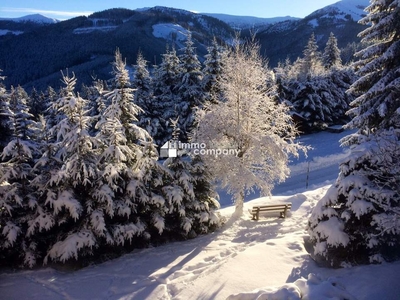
<point x="345" y="8"/>
<point x="86" y="45"/>
<point x="36" y="18"/>
<point x="287" y="39"/>
<point x="246" y="22"/>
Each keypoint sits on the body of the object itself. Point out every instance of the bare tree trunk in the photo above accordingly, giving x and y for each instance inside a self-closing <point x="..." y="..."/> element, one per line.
<point x="239" y="204"/>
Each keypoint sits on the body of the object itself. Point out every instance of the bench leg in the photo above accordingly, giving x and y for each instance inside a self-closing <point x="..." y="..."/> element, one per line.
<point x="283" y="214"/>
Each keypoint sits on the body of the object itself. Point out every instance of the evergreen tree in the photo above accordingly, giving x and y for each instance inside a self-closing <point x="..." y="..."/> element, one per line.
<point x="357" y="221"/>
<point x="164" y="105"/>
<point x="340" y="79"/>
<point x="149" y="119"/>
<point x="17" y="198"/>
<point x="378" y="106"/>
<point x="68" y="187"/>
<point x="141" y="82"/>
<point x="212" y="72"/>
<point x="189" y="88"/>
<point x="207" y="219"/>
<point x="51" y="112"/>
<point x="93" y="94"/>
<point x="129" y="172"/>
<point x="37" y="103"/>
<point x="321" y="99"/>
<point x="189" y="195"/>
<point x="311" y="61"/>
<point x="4" y="128"/>
<point x="123" y="94"/>
<point x="331" y="56"/>
<point x="318" y="99"/>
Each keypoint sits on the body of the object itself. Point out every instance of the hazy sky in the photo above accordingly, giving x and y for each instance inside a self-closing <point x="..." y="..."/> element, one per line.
<point x="64" y="9"/>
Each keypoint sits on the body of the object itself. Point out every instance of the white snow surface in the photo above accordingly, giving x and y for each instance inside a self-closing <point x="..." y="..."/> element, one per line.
<point x="245" y="259"/>
<point x="354" y="8"/>
<point x="6" y="31"/>
<point x="85" y="30"/>
<point x="244" y="22"/>
<point x="167" y="30"/>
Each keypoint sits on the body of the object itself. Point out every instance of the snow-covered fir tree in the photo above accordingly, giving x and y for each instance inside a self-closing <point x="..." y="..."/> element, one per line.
<point x="204" y="190"/>
<point x="189" y="88"/>
<point x="212" y="72"/>
<point x="190" y="197"/>
<point x="164" y="104"/>
<point x="67" y="191"/>
<point x="357" y="221"/>
<point x="129" y="173"/>
<point x="149" y="119"/>
<point x="17" y="197"/>
<point x="94" y="95"/>
<point x="4" y="128"/>
<point x="51" y="113"/>
<point x="321" y="99"/>
<point x="249" y="122"/>
<point x="378" y="106"/>
<point x="37" y="103"/>
<point x="331" y="56"/>
<point x="141" y="82"/>
<point x="319" y="96"/>
<point x="310" y="63"/>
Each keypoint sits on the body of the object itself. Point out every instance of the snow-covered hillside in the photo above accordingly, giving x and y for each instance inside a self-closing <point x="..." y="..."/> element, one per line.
<point x="265" y="259"/>
<point x="85" y="30"/>
<point x="170" y="31"/>
<point x="343" y="9"/>
<point x="243" y="22"/>
<point x="6" y="31"/>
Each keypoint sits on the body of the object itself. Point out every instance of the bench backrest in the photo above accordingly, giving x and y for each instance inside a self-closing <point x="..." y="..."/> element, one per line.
<point x="273" y="207"/>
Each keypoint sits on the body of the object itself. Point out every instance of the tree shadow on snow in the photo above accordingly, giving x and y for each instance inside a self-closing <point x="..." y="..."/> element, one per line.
<point x="308" y="266"/>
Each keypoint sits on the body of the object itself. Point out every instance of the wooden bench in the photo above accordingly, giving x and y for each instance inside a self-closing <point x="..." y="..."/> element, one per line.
<point x="280" y="208"/>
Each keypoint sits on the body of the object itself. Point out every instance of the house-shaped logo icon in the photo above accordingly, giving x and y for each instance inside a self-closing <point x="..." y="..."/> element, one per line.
<point x="169" y="149"/>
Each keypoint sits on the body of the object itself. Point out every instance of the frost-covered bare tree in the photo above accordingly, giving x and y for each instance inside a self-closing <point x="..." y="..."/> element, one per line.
<point x="249" y="122"/>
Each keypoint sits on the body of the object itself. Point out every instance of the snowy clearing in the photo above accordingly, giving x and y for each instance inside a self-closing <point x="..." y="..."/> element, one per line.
<point x="243" y="260"/>
<point x="85" y="30"/>
<point x="170" y="31"/>
<point x="6" y="31"/>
